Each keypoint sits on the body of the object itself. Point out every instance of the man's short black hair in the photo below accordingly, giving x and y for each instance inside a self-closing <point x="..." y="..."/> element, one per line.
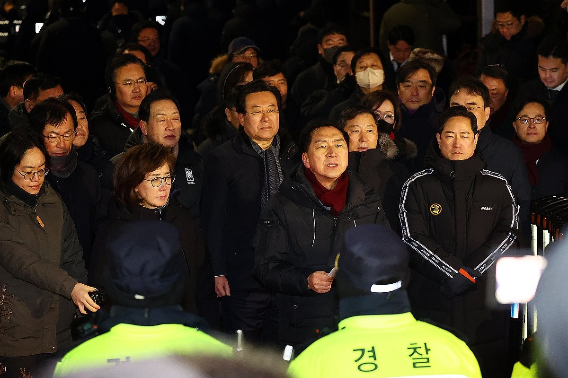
<point x="472" y="86"/>
<point x="408" y="69"/>
<point x="74" y="96"/>
<point x="52" y="111"/>
<point x="457" y="111"/>
<point x="351" y="112"/>
<point x="552" y="47"/>
<point x="401" y="33"/>
<point x="330" y="29"/>
<point x="361" y="53"/>
<point x="156" y="95"/>
<point x="255" y="86"/>
<point x="139" y="26"/>
<point x="340" y="51"/>
<point x="117" y="62"/>
<point x="521" y="104"/>
<point x="132" y="46"/>
<point x="15" y="74"/>
<point x="515" y="7"/>
<point x="497" y="72"/>
<point x="268" y="68"/>
<point x="37" y="83"/>
<point x="307" y="132"/>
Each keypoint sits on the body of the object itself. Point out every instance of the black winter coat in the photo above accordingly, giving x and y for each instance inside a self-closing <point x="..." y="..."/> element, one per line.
<point x="298" y="235"/>
<point x="231" y="204"/>
<point x="456" y="214"/>
<point x="109" y="127"/>
<point x="505" y="158"/>
<point x="81" y="193"/>
<point x="384" y="175"/>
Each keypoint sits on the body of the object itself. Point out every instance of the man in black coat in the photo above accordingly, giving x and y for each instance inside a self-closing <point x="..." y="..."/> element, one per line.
<point x="54" y="121"/>
<point x="302" y="229"/>
<point x="459" y="218"/>
<point x="501" y="155"/>
<point x="551" y="88"/>
<point x="160" y="123"/>
<point x="12" y="79"/>
<point x="239" y="178"/>
<point x="421" y="106"/>
<point x="118" y="117"/>
<point x="331" y="38"/>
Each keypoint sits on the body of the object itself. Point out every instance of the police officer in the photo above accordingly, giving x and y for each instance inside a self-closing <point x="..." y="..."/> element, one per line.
<point x="377" y="333"/>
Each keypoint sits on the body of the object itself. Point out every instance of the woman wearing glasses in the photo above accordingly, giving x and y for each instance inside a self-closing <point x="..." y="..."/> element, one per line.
<point x="370" y="155"/>
<point x="143" y="181"/>
<point x="386" y="107"/>
<point x="547" y="167"/>
<point x="41" y="265"/>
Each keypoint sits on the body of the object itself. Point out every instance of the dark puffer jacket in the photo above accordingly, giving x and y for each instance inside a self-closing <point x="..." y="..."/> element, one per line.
<point x="297" y="236"/>
<point x="456" y="214"/>
<point x="109" y="127"/>
<point x="40" y="263"/>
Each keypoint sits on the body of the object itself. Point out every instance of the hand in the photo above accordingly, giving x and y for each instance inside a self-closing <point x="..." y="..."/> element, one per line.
<point x="320" y="282"/>
<point x="222" y="286"/>
<point x="457" y="285"/>
<point x="81" y="298"/>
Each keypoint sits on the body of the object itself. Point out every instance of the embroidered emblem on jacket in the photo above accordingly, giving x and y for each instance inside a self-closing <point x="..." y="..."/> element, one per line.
<point x="486" y="208"/>
<point x="189" y="176"/>
<point x="435" y="209"/>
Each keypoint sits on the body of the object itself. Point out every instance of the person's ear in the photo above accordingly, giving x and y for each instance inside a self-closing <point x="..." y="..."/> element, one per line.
<point x="487" y="110"/>
<point x="241" y="119"/>
<point x="438" y="138"/>
<point x="28" y="105"/>
<point x="144" y="127"/>
<point x="306" y="160"/>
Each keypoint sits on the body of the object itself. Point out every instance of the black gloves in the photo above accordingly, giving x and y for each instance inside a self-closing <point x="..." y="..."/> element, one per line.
<point x="460" y="283"/>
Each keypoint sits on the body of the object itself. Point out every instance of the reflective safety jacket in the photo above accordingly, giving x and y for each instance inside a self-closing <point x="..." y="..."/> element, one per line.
<point x="129" y="343"/>
<point x="386" y="346"/>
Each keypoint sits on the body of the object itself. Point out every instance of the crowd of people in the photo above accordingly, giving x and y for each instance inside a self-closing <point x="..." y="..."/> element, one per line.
<point x="160" y="198"/>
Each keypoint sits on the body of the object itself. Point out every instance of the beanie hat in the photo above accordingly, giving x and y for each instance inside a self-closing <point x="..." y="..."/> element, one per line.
<point x="145" y="265"/>
<point x="374" y="260"/>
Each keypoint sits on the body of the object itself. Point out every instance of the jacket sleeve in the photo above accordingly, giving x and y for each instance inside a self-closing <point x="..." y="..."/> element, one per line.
<point x="434" y="261"/>
<point x="502" y="236"/>
<point x="522" y="192"/>
<point x="214" y="199"/>
<point x="71" y="251"/>
<point x="25" y="265"/>
<point x="273" y="255"/>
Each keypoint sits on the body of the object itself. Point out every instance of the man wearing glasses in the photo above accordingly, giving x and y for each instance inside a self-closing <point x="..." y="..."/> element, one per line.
<point x="160" y="123"/>
<point x="240" y="176"/>
<point x="54" y="121"/>
<point x="501" y="155"/>
<point x="118" y="117"/>
<point x="513" y="41"/>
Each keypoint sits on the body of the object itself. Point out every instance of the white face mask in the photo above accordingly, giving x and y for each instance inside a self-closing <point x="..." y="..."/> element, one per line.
<point x="370" y="78"/>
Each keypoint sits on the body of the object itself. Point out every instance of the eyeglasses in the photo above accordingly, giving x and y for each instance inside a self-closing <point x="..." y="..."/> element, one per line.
<point x="387" y="116"/>
<point x="268" y="112"/>
<point x="158" y="181"/>
<point x="535" y="120"/>
<point x="131" y="83"/>
<point x="28" y="176"/>
<point x="54" y="137"/>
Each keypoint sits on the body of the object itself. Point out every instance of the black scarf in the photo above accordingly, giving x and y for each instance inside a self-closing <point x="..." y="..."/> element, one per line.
<point x="63" y="166"/>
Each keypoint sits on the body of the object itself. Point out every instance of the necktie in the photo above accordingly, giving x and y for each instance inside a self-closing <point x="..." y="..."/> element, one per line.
<point x="552" y="94"/>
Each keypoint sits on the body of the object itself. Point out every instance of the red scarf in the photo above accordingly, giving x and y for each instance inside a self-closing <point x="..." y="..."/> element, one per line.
<point x="532" y="152"/>
<point x="334" y="198"/>
<point x="127" y="117"/>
